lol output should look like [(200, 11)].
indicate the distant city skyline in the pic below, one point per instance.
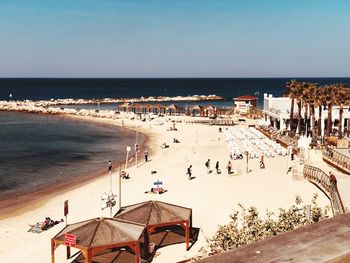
[(165, 39)]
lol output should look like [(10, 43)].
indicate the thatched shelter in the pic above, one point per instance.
[(123, 107), (100, 234), (135, 107), (211, 111), (156, 214), (197, 110), (145, 108), (172, 109), (158, 108)]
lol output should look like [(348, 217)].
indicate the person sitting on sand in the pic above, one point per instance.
[(124, 175), (164, 145), (175, 141)]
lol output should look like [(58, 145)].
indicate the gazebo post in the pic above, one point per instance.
[(88, 258), (52, 251), (137, 252), (187, 235)]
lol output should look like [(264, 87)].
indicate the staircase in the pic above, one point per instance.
[(329, 188)]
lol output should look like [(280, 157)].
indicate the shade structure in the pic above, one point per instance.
[(197, 110), (158, 108), (172, 108), (99, 234), (145, 108), (135, 107), (155, 214), (123, 107)]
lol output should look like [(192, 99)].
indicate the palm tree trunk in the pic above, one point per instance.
[(319, 124), (306, 117), (340, 125), (329, 120), (313, 119), (291, 115), (299, 115)]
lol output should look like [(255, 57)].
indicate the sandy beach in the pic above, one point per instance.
[(211, 196)]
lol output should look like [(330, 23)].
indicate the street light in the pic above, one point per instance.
[(128, 148)]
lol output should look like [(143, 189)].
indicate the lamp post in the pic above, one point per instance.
[(128, 148), (10, 96), (247, 155)]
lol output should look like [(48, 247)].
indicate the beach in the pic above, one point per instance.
[(212, 197)]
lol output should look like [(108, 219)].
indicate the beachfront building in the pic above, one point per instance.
[(244, 103), (276, 112)]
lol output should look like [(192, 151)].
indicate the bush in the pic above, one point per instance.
[(247, 226)]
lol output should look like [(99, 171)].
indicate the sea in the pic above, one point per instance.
[(41, 151)]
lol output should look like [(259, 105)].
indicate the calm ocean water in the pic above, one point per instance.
[(35, 89), (40, 150)]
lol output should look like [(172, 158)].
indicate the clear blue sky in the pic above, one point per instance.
[(171, 38)]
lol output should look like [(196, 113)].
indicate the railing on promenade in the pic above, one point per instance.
[(329, 187), (337, 158)]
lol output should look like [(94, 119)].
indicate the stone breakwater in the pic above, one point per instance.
[(34, 107), (122, 100)]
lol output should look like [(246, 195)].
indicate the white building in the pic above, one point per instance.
[(277, 113)]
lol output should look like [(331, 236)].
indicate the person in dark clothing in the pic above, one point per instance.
[(217, 168), (189, 172)]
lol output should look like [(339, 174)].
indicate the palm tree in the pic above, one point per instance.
[(309, 98), (290, 92), (321, 103), (329, 99), (342, 98), (298, 93)]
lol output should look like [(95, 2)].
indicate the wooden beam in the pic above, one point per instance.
[(52, 251), (187, 235), (137, 252), (88, 258)]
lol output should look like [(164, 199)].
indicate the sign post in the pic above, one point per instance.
[(65, 211), (136, 151)]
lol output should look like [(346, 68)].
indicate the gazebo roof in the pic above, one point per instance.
[(125, 104), (210, 107), (196, 107), (246, 97), (145, 106), (135, 105), (99, 232), (154, 213), (172, 106), (158, 105)]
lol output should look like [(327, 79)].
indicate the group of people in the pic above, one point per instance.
[(207, 165)]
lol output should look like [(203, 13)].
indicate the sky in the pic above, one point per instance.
[(174, 38)]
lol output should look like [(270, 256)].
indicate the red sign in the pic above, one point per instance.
[(70, 240)]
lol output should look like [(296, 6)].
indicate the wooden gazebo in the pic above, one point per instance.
[(158, 108), (211, 111), (145, 108), (172, 108), (123, 107), (135, 107), (197, 110), (99, 234), (156, 214)]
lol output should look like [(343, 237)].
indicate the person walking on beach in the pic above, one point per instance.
[(229, 167), (146, 155), (110, 166), (207, 164), (217, 168), (189, 172), (262, 164)]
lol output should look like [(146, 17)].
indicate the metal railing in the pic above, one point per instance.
[(328, 187), (337, 158)]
